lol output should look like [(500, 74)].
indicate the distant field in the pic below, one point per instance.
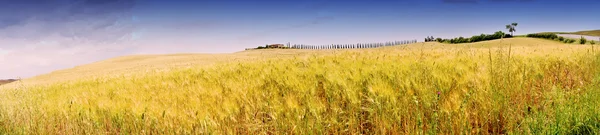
[(141, 64), (588, 33), (6, 81), (575, 36), (508, 86)]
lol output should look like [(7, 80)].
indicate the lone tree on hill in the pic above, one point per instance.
[(511, 28)]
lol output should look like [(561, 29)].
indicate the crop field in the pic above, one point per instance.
[(574, 36), (506, 86)]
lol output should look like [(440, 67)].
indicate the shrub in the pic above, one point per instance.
[(499, 33), (430, 39), (561, 38), (439, 40), (543, 35), (477, 38), (427, 39), (582, 40), (569, 41), (460, 40), (464, 40), (592, 42)]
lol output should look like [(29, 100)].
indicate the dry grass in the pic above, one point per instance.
[(510, 86), (589, 32), (140, 64)]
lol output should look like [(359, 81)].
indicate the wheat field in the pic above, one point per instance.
[(507, 86)]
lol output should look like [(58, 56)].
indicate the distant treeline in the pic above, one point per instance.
[(545, 35), (335, 46), (353, 46), (553, 36), (478, 38), (500, 34)]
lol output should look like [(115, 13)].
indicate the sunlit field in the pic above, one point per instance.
[(507, 86)]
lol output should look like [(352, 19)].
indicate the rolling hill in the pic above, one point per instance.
[(588, 33), (7, 81), (585, 33), (506, 86), (139, 64)]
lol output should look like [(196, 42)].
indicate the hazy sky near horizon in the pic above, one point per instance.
[(40, 36)]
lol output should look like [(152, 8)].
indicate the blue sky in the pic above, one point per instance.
[(248, 24), (47, 35)]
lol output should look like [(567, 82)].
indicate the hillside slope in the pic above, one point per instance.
[(139, 64), (588, 33), (585, 32), (508, 86), (7, 81)]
